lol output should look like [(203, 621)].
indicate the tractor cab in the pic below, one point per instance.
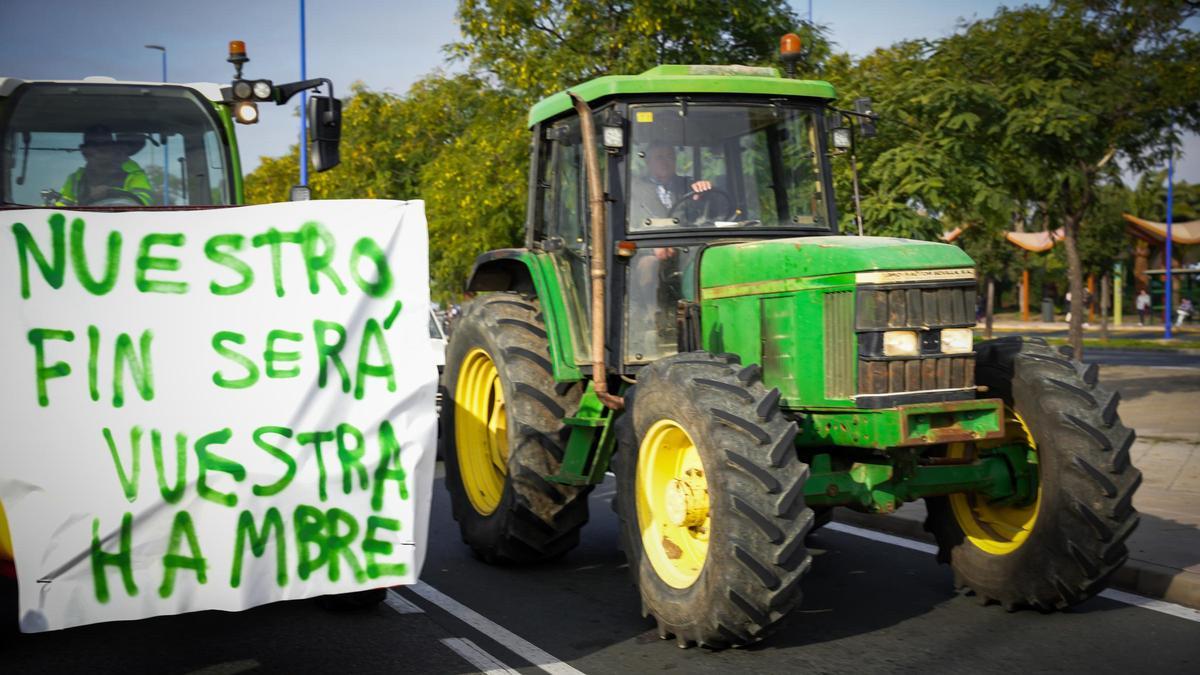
[(75, 143), (99, 142), (689, 156)]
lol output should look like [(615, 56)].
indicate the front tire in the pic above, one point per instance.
[(1061, 549), (502, 435), (710, 495)]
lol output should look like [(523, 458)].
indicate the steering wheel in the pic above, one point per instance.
[(706, 196), (117, 197)]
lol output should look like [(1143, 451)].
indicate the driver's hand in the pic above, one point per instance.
[(700, 186)]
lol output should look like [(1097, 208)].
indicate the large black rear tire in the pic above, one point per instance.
[(513, 514), (1085, 513), (729, 579)]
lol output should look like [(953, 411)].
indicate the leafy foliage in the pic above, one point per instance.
[(539, 47), (460, 141), (1016, 121), (1022, 118)]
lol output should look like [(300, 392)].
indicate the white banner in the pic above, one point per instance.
[(214, 409)]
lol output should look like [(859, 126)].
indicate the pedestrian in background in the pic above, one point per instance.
[(1183, 312), (1143, 307)]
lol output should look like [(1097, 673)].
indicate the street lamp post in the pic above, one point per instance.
[(166, 173), (303, 105)]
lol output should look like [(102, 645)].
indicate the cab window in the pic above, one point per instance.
[(83, 144)]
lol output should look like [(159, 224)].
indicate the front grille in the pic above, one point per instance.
[(924, 308), (915, 308), (839, 344), (897, 376)]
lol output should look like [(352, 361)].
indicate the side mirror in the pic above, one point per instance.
[(325, 131)]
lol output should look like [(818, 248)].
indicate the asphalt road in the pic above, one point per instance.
[(869, 607)]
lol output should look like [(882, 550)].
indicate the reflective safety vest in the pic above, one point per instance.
[(136, 183)]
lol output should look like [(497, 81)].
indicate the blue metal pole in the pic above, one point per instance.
[(1170, 207), (303, 105), (166, 171)]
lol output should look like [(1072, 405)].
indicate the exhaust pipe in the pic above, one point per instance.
[(596, 213)]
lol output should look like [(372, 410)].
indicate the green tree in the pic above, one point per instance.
[(1081, 82), (535, 48), (1149, 198), (461, 142), (386, 141), (1030, 107)]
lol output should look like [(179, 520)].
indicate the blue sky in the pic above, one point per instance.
[(386, 44)]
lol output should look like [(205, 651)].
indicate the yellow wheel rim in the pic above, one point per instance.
[(672, 504), (481, 431), (996, 529)]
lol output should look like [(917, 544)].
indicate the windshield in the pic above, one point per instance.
[(112, 145), (712, 165)]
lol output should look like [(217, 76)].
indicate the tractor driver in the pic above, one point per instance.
[(661, 189), (108, 173), (656, 280)]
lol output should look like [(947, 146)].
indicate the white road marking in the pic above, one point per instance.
[(1152, 604), (485, 662), (1111, 594), (880, 536), (402, 606), (519, 646)]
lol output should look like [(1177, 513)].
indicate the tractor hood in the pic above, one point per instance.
[(725, 265)]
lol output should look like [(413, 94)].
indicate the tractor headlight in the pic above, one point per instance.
[(956, 340), (262, 90), (245, 112), (242, 90), (901, 343)]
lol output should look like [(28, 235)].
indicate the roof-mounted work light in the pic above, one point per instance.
[(245, 112)]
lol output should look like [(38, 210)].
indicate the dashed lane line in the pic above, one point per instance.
[(1119, 596), (518, 645), (401, 605), (468, 650), (485, 662)]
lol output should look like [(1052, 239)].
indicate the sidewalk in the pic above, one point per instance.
[(1164, 551), (1129, 328)]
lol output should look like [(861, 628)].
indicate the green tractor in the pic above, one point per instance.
[(685, 314)]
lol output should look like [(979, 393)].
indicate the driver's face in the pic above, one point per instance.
[(103, 155), (661, 160)]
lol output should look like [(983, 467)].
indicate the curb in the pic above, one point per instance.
[(1135, 576)]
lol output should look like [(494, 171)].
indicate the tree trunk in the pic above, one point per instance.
[(1091, 298), (1025, 294), (991, 299), (1105, 293), (1075, 279)]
